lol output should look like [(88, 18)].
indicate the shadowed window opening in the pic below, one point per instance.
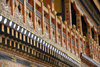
[(39, 22), (84, 26), (46, 27), (19, 8), (99, 39), (29, 15), (92, 33), (7, 1), (73, 12)]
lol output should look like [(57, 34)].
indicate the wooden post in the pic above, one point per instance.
[(12, 6), (34, 14), (66, 32), (49, 18)]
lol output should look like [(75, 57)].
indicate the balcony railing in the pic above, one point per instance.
[(39, 29)]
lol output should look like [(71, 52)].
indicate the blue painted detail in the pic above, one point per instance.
[(53, 25), (52, 1), (87, 46), (67, 11), (46, 20), (58, 30), (84, 45), (73, 41), (67, 18), (81, 42), (29, 6), (76, 44), (64, 34), (78, 20), (21, 1), (38, 13), (68, 38)]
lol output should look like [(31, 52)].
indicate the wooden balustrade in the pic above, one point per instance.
[(45, 23)]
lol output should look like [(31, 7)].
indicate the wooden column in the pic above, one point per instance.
[(12, 6), (89, 41), (74, 35), (68, 12), (49, 18), (24, 10), (89, 33), (70, 36), (78, 22), (54, 12), (61, 34)]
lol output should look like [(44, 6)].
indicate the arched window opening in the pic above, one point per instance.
[(73, 12), (84, 26)]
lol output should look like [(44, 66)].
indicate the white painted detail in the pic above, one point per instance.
[(22, 30), (0, 18), (10, 23), (5, 21), (14, 26), (18, 28)]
